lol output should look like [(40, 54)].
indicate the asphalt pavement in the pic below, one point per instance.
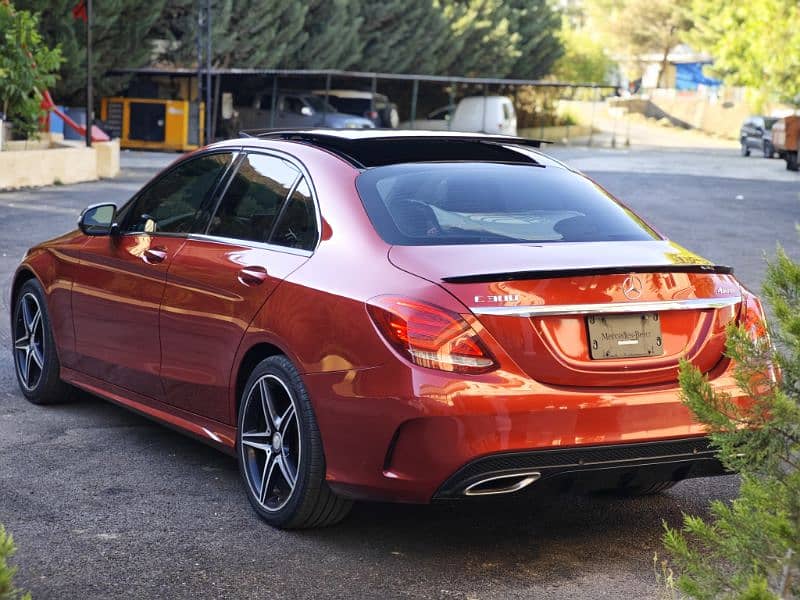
[(105, 504)]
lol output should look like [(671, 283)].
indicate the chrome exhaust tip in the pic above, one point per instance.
[(501, 484)]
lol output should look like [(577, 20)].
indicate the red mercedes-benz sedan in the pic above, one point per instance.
[(405, 316)]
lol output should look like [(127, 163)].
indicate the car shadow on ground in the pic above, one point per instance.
[(537, 522)]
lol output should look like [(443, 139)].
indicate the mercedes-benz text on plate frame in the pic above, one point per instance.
[(511, 323)]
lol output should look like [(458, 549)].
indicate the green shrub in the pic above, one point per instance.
[(27, 68), (7, 572), (750, 547)]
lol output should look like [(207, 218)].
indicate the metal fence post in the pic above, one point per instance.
[(414, 93), (274, 103), (594, 106), (452, 103)]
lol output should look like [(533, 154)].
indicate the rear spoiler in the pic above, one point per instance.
[(552, 274)]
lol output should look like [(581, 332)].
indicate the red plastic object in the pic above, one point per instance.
[(98, 135)]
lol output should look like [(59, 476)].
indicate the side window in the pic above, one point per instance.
[(297, 227), (176, 202), (293, 105), (254, 198), (506, 111)]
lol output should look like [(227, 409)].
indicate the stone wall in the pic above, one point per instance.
[(31, 164)]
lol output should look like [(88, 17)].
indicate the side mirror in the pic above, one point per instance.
[(98, 219), (306, 111)]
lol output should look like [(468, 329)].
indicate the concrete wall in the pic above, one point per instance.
[(692, 112), (30, 164), (562, 134)]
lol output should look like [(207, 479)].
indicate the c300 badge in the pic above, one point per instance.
[(497, 299)]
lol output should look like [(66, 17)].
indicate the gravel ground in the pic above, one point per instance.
[(105, 504)]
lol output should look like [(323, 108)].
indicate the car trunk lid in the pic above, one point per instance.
[(601, 314)]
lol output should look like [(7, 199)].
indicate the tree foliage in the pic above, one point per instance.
[(121, 37), (585, 60), (27, 67), (517, 38), (754, 43), (750, 548), (7, 549), (636, 28)]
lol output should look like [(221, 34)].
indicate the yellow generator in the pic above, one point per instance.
[(154, 124)]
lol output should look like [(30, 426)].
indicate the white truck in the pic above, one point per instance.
[(485, 114)]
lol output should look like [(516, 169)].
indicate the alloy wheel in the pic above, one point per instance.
[(270, 442), (29, 341)]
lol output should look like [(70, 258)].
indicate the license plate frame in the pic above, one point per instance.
[(616, 336)]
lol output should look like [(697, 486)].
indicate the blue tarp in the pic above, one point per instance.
[(689, 75)]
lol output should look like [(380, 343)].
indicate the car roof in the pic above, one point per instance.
[(366, 148)]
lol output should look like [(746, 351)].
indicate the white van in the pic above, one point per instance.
[(486, 114)]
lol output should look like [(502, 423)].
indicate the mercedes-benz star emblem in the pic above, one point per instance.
[(632, 287)]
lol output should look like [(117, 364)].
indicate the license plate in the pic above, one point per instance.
[(624, 336)]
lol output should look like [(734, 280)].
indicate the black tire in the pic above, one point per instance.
[(646, 490), (745, 148), (40, 383), (296, 452), (791, 161), (768, 150)]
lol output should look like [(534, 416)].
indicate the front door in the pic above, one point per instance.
[(118, 290)]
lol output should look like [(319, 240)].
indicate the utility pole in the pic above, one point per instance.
[(209, 126), (89, 93)]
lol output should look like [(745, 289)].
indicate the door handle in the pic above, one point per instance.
[(154, 255), (252, 275)]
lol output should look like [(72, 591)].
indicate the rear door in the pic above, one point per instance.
[(220, 279), (120, 283)]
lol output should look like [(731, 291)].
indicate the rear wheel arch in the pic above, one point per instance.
[(250, 360)]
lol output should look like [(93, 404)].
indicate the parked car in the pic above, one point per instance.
[(297, 109), (786, 139), (385, 315), (375, 107), (756, 134), (486, 114)]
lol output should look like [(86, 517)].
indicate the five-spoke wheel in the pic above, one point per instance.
[(280, 450), (270, 441), (35, 357), (29, 341)]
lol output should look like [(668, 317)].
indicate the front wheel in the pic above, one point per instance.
[(35, 357), (280, 451)]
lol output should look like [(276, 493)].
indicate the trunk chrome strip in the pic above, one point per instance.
[(544, 310)]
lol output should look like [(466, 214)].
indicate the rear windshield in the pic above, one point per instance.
[(491, 203)]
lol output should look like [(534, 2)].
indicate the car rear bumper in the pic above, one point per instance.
[(616, 465), (438, 434)]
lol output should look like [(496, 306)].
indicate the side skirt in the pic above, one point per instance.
[(213, 433)]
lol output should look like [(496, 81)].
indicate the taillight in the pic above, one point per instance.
[(752, 316), (371, 114), (430, 336), (754, 320)]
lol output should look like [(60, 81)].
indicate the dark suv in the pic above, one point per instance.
[(375, 107), (756, 134)]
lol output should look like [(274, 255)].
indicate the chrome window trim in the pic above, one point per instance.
[(298, 164), (545, 310), (202, 237)]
